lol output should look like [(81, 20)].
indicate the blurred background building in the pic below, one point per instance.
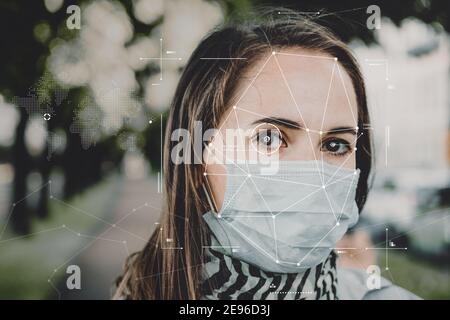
[(82, 115)]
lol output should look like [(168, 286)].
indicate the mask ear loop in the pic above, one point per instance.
[(208, 191), (210, 198)]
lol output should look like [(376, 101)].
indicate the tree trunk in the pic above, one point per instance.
[(20, 218)]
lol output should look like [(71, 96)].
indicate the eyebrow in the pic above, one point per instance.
[(342, 130), (281, 122), (297, 126)]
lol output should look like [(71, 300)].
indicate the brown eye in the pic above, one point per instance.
[(270, 140), (336, 146)]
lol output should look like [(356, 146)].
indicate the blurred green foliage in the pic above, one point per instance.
[(27, 261), (425, 279)]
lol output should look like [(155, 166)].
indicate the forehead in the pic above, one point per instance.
[(306, 86)]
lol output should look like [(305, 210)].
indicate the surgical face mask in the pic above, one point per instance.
[(285, 222)]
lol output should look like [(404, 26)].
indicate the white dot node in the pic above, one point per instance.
[(204, 173), (249, 175), (277, 261), (234, 107), (274, 53), (335, 58)]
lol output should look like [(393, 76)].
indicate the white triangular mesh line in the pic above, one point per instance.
[(346, 94), (317, 244), (326, 107), (298, 109), (248, 169)]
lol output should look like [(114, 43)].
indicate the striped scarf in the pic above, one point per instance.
[(227, 278)]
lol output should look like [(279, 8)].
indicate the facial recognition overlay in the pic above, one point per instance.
[(258, 203), (86, 160)]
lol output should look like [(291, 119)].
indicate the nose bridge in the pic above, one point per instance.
[(306, 147)]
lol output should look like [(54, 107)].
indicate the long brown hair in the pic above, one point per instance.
[(204, 93)]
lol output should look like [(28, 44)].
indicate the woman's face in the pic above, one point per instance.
[(298, 105)]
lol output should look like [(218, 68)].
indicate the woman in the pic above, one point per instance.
[(245, 227)]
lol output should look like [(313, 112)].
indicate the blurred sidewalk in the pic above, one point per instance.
[(133, 221)]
